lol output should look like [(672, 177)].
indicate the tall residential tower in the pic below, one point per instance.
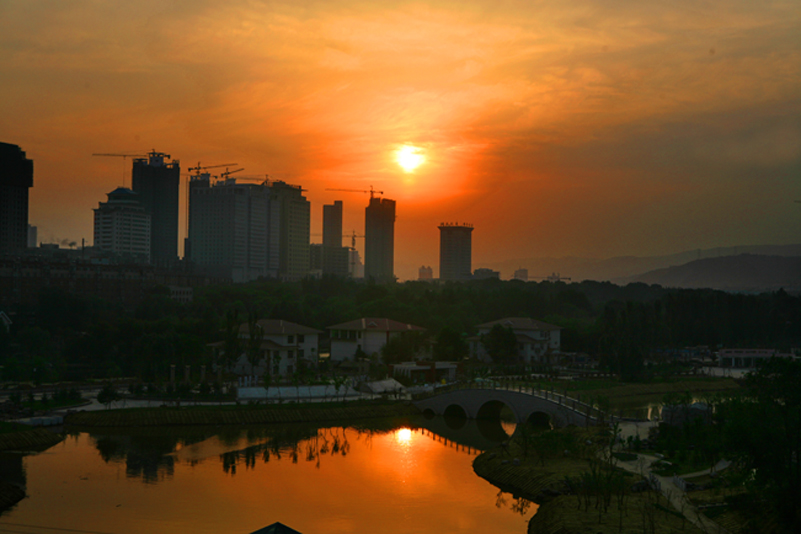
[(294, 230), (233, 229), (379, 240), (122, 226), (16, 177), (158, 184), (455, 251), (334, 255)]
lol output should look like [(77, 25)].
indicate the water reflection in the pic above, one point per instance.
[(397, 476)]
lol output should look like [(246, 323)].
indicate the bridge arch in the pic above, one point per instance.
[(539, 419), (481, 404)]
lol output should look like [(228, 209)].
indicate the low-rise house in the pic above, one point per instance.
[(536, 340), (426, 372), (284, 345), (368, 335)]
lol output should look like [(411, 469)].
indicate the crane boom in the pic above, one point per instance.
[(199, 168), (371, 191)]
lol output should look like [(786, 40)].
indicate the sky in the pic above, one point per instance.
[(573, 128)]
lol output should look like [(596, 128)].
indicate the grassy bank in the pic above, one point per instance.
[(624, 395), (553, 479), (238, 415), (16, 437)]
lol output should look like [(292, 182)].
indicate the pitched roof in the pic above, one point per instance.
[(521, 323), (276, 528), (377, 324), (272, 327)]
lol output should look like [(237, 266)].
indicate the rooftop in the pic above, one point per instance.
[(377, 324), (521, 323)]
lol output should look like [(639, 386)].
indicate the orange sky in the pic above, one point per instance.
[(572, 128)]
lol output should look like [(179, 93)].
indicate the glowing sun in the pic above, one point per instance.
[(409, 157)]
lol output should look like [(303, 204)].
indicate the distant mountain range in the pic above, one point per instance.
[(623, 269), (745, 272)]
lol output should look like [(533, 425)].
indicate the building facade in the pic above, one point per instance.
[(536, 340), (294, 220), (379, 240), (368, 335), (158, 183), (334, 256), (425, 273), (284, 347), (233, 229), (455, 251), (16, 178), (521, 274), (122, 226)]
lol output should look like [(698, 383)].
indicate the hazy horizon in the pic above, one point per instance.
[(575, 129)]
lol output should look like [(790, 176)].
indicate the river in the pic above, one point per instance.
[(404, 476)]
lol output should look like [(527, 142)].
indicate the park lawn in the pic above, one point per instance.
[(622, 394)]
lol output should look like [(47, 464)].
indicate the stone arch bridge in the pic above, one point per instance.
[(526, 405)]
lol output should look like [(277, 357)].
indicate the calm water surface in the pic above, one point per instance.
[(390, 478)]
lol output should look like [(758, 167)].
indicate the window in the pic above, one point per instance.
[(300, 353), (290, 339)]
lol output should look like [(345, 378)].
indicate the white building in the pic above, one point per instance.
[(747, 358), (122, 226), (368, 334), (535, 339), (284, 345)]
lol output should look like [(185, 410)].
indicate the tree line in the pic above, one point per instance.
[(65, 334)]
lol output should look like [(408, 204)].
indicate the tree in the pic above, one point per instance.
[(232, 344), (763, 430), (501, 344), (107, 395), (450, 345), (255, 339)]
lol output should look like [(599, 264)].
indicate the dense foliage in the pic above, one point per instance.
[(67, 335)]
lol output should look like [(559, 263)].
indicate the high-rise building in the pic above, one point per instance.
[(355, 265), (294, 230), (33, 236), (122, 226), (233, 229), (379, 240), (16, 177), (158, 184), (455, 251), (425, 273), (332, 224), (334, 258), (521, 274)]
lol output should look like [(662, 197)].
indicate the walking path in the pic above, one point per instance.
[(675, 495)]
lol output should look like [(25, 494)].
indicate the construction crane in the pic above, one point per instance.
[(371, 191), (123, 156), (352, 237), (227, 173), (199, 168)]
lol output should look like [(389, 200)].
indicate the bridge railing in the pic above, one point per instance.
[(575, 404)]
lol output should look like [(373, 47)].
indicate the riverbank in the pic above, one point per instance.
[(547, 481), (25, 438), (238, 415)]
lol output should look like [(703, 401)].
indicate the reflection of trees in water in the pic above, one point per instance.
[(518, 505), (311, 446), (145, 457), (147, 452)]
